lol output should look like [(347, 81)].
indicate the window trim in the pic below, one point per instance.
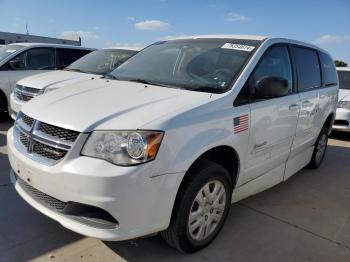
[(293, 46), (246, 84)]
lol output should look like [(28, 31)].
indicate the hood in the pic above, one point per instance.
[(54, 79), (102, 104), (344, 95)]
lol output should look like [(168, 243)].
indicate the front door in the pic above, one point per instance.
[(273, 120)]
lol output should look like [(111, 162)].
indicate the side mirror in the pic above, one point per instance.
[(271, 86), (16, 64)]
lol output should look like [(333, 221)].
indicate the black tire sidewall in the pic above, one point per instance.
[(314, 163), (198, 180)]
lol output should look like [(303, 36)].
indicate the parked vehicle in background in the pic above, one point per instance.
[(94, 64), (175, 135), (24, 59), (342, 119)]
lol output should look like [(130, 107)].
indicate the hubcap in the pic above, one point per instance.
[(207, 210), (321, 147)]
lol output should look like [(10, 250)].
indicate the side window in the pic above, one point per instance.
[(308, 68), (275, 63), (67, 56), (17, 63), (329, 71), (40, 59)]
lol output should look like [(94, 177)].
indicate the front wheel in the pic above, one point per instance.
[(319, 149), (201, 208)]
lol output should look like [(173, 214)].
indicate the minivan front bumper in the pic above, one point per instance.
[(141, 204)]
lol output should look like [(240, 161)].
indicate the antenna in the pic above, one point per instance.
[(27, 31)]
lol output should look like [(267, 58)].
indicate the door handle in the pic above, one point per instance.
[(260, 145), (293, 107)]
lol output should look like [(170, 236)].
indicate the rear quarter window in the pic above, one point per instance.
[(329, 71), (308, 68)]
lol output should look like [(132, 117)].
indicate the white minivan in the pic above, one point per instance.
[(95, 64), (24, 59), (175, 135), (342, 119)]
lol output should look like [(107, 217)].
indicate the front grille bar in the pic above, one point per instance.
[(25, 93), (34, 141)]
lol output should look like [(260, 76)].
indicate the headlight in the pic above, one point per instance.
[(124, 148), (344, 104)]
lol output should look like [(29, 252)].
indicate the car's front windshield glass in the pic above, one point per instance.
[(344, 79), (206, 65), (7, 50), (101, 62)]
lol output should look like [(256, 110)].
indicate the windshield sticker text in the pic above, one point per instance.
[(246, 48)]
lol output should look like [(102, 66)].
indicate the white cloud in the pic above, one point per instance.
[(74, 35), (154, 25), (234, 17), (332, 39)]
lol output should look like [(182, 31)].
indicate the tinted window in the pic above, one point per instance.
[(40, 59), (308, 68), (101, 62), (329, 72), (344, 79), (67, 56), (275, 62)]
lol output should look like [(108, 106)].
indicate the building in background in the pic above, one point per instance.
[(9, 38)]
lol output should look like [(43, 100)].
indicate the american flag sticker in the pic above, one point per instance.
[(240, 123)]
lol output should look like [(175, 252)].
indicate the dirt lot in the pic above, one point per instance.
[(305, 219)]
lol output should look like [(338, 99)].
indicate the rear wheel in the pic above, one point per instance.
[(201, 208), (319, 149)]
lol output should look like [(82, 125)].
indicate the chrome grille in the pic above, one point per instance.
[(24, 139), (41, 197), (58, 132), (28, 120), (48, 151), (25, 93), (41, 141)]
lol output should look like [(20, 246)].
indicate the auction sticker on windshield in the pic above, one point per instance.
[(246, 48)]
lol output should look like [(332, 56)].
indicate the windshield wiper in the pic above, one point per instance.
[(75, 70), (208, 89), (109, 76), (146, 82)]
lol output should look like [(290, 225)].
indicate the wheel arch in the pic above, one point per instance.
[(328, 123), (3, 98)]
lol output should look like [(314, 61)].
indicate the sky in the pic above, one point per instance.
[(106, 23)]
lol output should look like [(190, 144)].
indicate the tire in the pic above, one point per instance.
[(4, 116), (319, 149), (212, 215)]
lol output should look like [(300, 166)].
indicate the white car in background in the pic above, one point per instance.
[(95, 64), (175, 135), (24, 59), (342, 119)]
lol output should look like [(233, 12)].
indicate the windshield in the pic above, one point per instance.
[(206, 65), (101, 62), (7, 50), (344, 79)]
